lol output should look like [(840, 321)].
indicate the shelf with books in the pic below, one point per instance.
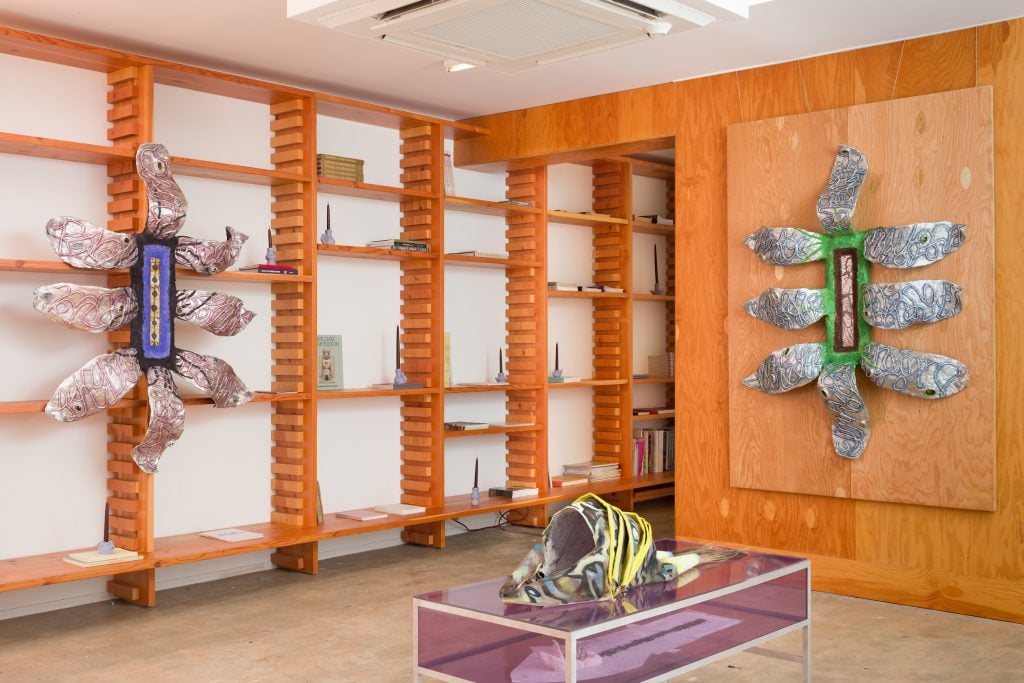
[(64, 150), (50, 568), (489, 208), (664, 298), (351, 188), (370, 392), (465, 261), (654, 416), (353, 251), (588, 383), (232, 172), (584, 219), (492, 430)]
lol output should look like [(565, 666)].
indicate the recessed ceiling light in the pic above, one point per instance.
[(453, 65)]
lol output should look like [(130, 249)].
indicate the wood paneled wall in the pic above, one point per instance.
[(964, 561)]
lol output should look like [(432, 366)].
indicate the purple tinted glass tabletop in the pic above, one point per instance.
[(483, 597)]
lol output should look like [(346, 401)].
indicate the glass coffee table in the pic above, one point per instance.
[(653, 633)]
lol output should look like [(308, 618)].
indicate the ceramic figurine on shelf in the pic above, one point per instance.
[(271, 256), (501, 377), (327, 237), (659, 289)]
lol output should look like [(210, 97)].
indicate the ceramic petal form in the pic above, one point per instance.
[(790, 309), (209, 258), (788, 368), (902, 304), (95, 386), (785, 246), (914, 245), (851, 427), (90, 309), (213, 376), (838, 200), (221, 314), (84, 245), (167, 203), (166, 419), (924, 375)]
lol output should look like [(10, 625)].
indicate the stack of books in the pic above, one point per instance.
[(461, 426), (339, 168), (513, 491), (399, 245), (93, 558), (560, 480), (662, 365), (655, 219), (555, 286), (272, 268), (594, 471), (653, 450)]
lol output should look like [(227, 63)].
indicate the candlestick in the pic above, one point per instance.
[(271, 256)]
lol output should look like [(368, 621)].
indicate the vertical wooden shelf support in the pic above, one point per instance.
[(129, 489), (526, 338), (670, 284), (293, 423), (422, 331), (613, 348)]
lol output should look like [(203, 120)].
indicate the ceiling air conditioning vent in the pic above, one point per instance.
[(512, 35)]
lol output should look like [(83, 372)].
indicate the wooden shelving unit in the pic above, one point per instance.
[(290, 174)]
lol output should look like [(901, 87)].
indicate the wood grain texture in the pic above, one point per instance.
[(930, 160)]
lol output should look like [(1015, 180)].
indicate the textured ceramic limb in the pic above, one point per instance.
[(788, 368), (838, 200), (221, 314), (207, 257), (167, 203), (924, 375), (851, 427), (914, 245), (790, 309), (90, 309), (902, 304), (785, 246), (95, 386), (84, 245), (213, 376), (166, 419)]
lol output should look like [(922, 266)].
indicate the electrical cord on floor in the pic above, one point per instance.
[(504, 520)]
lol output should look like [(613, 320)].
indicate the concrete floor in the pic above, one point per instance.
[(353, 623)]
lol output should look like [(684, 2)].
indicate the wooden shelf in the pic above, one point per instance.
[(37, 406), (482, 206), (65, 150), (653, 229), (350, 188), (370, 392), (587, 383), (231, 172), (388, 117), (491, 430), (659, 416), (584, 219), (352, 251), (491, 387), (555, 294), (464, 261), (664, 298), (654, 380), (44, 570), (180, 273)]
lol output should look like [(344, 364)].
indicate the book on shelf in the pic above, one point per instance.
[(655, 219), (399, 245), (516, 202), (231, 535), (329, 367), (594, 471), (401, 509), (93, 558), (361, 515), (564, 379), (659, 410), (449, 175), (339, 168), (463, 426), (612, 290), (560, 480), (653, 450), (563, 287), (477, 252), (506, 425), (590, 288), (272, 268), (513, 491)]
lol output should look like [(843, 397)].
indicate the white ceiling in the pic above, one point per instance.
[(254, 37)]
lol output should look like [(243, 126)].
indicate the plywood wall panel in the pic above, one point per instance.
[(770, 91), (947, 61), (848, 78)]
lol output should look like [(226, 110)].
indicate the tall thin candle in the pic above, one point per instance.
[(501, 362), (398, 346), (556, 355), (270, 239), (328, 216), (655, 265), (476, 474), (106, 522)]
